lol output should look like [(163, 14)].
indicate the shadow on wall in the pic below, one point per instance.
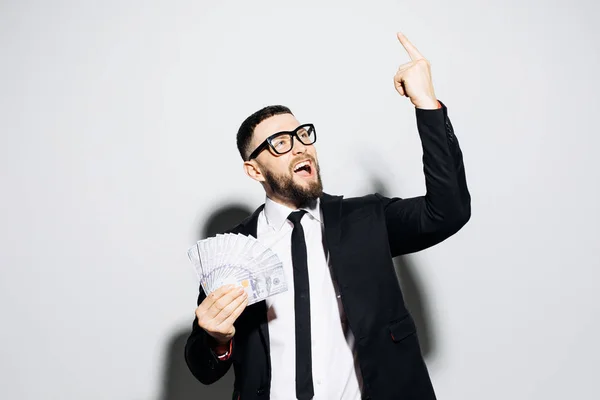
[(179, 383)]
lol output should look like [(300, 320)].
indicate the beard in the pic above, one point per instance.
[(301, 196)]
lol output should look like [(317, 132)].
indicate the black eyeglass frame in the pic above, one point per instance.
[(268, 141)]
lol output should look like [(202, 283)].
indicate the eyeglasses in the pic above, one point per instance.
[(283, 142)]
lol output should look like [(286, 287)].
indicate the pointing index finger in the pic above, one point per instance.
[(410, 48)]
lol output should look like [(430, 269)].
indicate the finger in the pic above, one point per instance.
[(216, 300), (225, 325), (399, 87), (402, 90), (402, 69), (213, 317), (230, 308), (225, 300), (406, 66), (212, 297), (236, 312), (410, 48)]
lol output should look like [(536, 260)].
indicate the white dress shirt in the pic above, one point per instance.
[(335, 371)]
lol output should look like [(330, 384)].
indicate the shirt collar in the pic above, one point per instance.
[(276, 214)]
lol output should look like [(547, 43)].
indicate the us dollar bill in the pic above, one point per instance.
[(258, 284)]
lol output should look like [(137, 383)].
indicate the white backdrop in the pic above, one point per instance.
[(118, 123)]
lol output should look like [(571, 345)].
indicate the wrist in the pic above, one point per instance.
[(426, 101), (430, 104)]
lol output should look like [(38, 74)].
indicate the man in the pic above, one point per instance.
[(341, 331)]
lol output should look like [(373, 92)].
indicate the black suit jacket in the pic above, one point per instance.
[(362, 235)]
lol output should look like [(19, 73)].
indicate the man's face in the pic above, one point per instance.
[(292, 177)]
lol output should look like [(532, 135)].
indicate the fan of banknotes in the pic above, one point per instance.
[(240, 260)]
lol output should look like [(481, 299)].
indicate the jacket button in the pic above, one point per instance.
[(260, 391)]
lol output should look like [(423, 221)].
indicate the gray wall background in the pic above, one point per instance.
[(118, 121)]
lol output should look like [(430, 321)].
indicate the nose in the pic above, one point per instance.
[(298, 147)]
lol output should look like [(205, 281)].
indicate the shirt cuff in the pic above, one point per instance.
[(439, 105), (224, 356)]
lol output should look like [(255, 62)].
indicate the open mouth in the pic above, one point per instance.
[(304, 169)]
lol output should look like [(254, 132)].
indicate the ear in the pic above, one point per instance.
[(253, 170)]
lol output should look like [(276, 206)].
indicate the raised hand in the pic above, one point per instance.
[(219, 310), (413, 79)]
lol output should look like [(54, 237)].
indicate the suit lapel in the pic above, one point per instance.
[(249, 225), (331, 206)]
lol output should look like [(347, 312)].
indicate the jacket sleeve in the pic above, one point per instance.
[(199, 356), (417, 223)]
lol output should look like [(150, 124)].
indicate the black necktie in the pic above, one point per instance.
[(304, 382)]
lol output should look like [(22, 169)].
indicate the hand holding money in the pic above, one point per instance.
[(219, 310)]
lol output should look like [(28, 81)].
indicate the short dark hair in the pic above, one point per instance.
[(244, 135)]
